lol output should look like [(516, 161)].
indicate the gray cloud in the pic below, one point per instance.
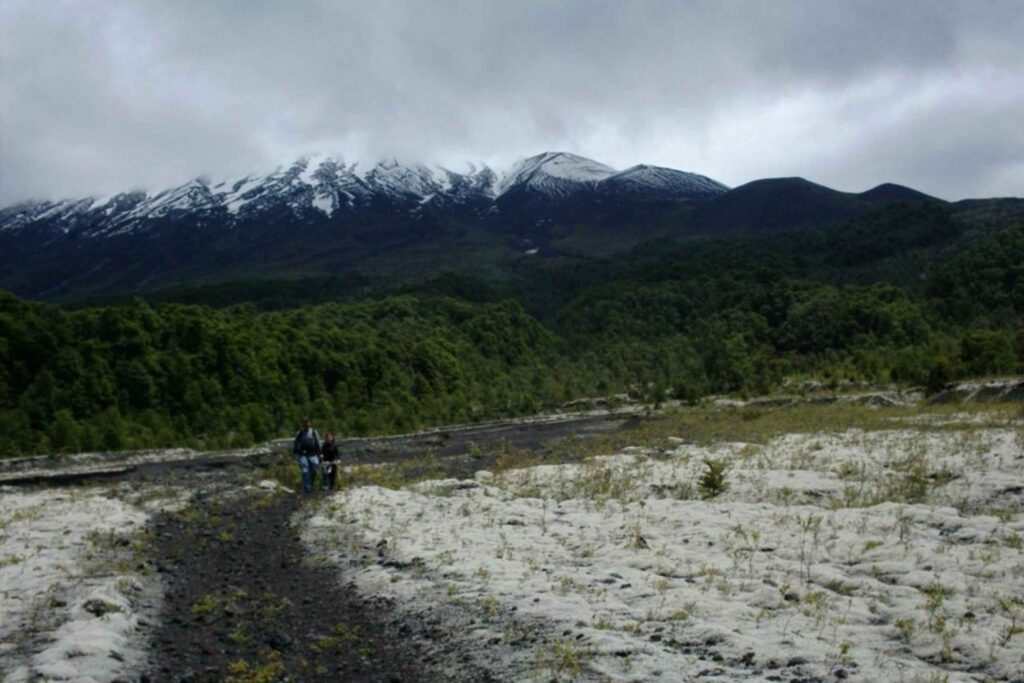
[(102, 96)]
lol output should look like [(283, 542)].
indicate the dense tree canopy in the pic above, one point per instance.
[(685, 319), (133, 375)]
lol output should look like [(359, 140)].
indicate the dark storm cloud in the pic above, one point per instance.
[(102, 96)]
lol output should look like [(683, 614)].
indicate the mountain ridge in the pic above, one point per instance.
[(322, 216), (328, 184)]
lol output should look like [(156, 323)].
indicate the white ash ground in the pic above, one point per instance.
[(72, 596), (804, 568)]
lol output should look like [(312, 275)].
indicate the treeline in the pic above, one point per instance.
[(136, 375), (681, 319), (743, 315)]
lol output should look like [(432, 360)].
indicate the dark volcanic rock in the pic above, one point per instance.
[(255, 606)]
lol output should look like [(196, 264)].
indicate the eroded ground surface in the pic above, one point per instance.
[(849, 542), (242, 604), (862, 540), (189, 567)]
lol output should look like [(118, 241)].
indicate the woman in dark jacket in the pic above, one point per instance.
[(330, 461)]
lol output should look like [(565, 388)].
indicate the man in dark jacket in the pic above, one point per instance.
[(307, 449)]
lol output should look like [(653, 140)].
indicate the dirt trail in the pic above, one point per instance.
[(242, 603)]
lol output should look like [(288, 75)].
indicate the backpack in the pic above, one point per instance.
[(307, 441)]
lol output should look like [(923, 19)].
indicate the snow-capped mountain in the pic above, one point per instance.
[(554, 174), (322, 215), (663, 183), (316, 188)]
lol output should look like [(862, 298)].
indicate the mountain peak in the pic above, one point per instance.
[(554, 174), (662, 183), (568, 165), (891, 192), (317, 185)]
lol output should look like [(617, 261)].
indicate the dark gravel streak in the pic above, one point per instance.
[(241, 603), (244, 601)]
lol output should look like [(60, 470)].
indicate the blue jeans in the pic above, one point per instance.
[(308, 465)]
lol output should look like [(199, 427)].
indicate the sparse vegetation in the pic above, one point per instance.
[(561, 661), (269, 669), (831, 515)]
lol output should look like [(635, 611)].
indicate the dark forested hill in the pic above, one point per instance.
[(909, 292), (394, 223), (215, 314)]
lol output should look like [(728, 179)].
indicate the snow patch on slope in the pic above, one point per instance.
[(554, 173), (666, 182), (396, 180), (325, 203)]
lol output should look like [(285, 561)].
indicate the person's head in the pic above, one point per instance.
[(305, 423), (329, 437)]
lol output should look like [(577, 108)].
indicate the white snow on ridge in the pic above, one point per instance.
[(551, 174), (61, 209), (236, 198), (235, 205), (644, 178), (444, 178), (325, 203), (392, 178), (572, 167), (554, 173), (56, 208), (794, 570), (311, 165), (19, 215), (99, 202), (193, 195)]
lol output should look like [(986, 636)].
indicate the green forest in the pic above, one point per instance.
[(909, 295)]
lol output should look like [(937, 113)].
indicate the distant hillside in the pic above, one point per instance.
[(391, 223), (887, 193)]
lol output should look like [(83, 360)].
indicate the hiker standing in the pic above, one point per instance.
[(307, 449), (330, 464)]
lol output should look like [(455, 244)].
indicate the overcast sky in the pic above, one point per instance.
[(101, 96)]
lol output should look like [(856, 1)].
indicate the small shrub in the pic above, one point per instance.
[(269, 670), (712, 481), (562, 661), (205, 605), (905, 627)]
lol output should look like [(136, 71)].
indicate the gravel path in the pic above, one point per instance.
[(243, 603)]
